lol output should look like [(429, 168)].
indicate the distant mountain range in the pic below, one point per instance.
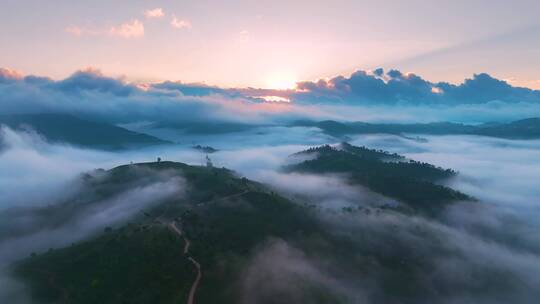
[(69, 129), (520, 129), (63, 128), (205, 128)]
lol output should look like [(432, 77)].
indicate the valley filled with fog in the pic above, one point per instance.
[(508, 168), (499, 232)]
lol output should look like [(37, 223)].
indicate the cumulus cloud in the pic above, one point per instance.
[(93, 95), (130, 29), (90, 94), (78, 31), (154, 13), (394, 87), (91, 79), (180, 23), (7, 75)]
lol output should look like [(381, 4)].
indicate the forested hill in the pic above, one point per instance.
[(224, 217), (520, 129), (246, 244), (412, 182), (63, 128)]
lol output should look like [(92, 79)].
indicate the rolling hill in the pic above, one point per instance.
[(414, 183), (520, 129), (232, 240), (62, 128)]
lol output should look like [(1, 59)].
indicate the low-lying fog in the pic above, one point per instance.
[(498, 171), (502, 174)]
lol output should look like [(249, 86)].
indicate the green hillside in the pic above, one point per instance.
[(521, 129), (252, 245), (224, 216), (62, 128), (414, 183)]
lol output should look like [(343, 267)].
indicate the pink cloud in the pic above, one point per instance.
[(74, 30), (10, 74), (154, 13), (130, 29), (80, 31), (180, 24)]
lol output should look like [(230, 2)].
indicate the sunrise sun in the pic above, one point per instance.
[(280, 81)]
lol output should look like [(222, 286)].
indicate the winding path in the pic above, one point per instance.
[(187, 243), (195, 284)]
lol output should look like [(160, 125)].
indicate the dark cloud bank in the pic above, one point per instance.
[(368, 96), (395, 87)]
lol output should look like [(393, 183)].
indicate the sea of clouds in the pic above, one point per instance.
[(500, 232)]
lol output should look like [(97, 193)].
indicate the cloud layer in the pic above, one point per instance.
[(395, 87), (374, 97)]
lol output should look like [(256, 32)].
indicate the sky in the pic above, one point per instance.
[(271, 44)]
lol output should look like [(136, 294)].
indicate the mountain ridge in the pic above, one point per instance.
[(66, 128), (528, 128)]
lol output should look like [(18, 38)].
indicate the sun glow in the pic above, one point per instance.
[(280, 81), (274, 98)]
